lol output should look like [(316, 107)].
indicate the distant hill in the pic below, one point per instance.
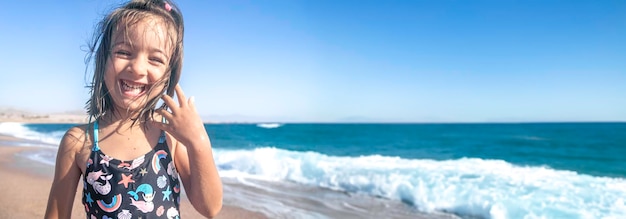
[(9, 114)]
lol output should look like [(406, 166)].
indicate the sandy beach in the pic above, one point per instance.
[(27, 185)]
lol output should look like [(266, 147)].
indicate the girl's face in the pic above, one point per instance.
[(139, 57)]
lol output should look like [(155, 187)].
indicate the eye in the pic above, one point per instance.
[(157, 60), (123, 53)]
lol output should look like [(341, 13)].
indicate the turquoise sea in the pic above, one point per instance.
[(525, 170)]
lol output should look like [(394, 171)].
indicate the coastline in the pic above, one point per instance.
[(28, 185), (314, 182)]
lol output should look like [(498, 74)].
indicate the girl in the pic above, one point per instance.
[(132, 156)]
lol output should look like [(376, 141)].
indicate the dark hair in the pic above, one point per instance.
[(129, 14)]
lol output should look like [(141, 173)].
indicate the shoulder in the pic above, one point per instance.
[(77, 133), (75, 138)]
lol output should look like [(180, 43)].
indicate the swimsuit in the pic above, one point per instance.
[(146, 187)]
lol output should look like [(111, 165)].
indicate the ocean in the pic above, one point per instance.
[(524, 170)]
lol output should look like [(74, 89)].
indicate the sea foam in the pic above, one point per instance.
[(467, 187), (19, 130), (269, 125)]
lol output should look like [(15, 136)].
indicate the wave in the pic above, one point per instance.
[(470, 186), (19, 130), (269, 125)]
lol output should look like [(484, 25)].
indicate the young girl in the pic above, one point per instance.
[(132, 156)]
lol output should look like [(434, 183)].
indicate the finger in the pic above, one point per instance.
[(160, 125), (158, 120), (164, 114), (170, 103), (182, 100), (191, 102)]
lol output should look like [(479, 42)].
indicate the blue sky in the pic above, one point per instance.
[(350, 61)]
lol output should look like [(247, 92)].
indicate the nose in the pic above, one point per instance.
[(138, 67)]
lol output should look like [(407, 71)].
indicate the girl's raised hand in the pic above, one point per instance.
[(183, 122)]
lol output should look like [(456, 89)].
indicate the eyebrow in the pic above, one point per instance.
[(120, 43)]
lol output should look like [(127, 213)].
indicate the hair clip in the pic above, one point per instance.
[(168, 7)]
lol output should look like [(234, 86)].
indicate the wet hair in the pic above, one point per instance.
[(125, 16)]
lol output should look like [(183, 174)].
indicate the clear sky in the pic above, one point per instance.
[(349, 61)]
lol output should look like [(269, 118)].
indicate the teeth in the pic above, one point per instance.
[(128, 86)]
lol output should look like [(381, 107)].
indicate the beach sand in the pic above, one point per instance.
[(26, 186)]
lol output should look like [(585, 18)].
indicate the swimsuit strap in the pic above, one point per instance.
[(162, 137), (95, 137)]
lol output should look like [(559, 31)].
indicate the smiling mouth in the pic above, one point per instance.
[(132, 89)]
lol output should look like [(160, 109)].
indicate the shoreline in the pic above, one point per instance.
[(28, 184)]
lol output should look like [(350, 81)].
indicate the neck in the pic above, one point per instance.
[(123, 120)]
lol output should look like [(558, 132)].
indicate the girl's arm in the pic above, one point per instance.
[(66, 175), (193, 155), (202, 182)]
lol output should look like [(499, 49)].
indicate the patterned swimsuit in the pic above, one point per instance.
[(146, 187)]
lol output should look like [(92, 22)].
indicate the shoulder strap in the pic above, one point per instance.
[(162, 137), (95, 137)]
